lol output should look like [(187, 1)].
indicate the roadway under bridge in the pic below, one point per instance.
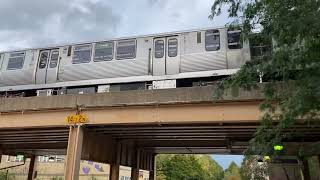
[(129, 128)]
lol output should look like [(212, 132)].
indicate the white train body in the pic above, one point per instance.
[(167, 56)]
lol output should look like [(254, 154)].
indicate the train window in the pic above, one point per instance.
[(103, 51), (54, 59), (16, 61), (44, 56), (212, 40), (81, 54), (126, 49), (69, 51), (234, 39), (159, 49), (172, 47), (198, 37)]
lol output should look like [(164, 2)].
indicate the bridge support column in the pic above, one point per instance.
[(136, 166), (115, 168), (152, 175), (74, 153), (134, 173), (318, 156), (114, 171), (305, 169), (152, 172), (32, 169)]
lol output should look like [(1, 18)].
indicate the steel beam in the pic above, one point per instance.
[(34, 135), (177, 127), (36, 145), (33, 131), (23, 138), (74, 153), (38, 141), (189, 131)]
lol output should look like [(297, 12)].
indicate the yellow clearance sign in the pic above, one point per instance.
[(77, 119)]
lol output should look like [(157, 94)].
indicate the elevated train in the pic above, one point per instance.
[(143, 62)]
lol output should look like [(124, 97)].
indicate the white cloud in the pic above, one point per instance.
[(36, 23)]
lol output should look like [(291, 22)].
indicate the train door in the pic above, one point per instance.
[(52, 69), (47, 66), (42, 67), (172, 55), (166, 56), (1, 61), (159, 59)]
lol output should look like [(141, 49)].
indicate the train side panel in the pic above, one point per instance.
[(107, 69), (185, 52), (16, 72), (197, 57), (1, 62), (238, 50)]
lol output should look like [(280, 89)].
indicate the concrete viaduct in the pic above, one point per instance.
[(129, 128)]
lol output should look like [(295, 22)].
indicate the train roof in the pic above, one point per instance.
[(115, 39)]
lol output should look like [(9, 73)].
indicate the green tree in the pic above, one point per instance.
[(232, 172), (161, 161), (292, 68), (211, 167), (188, 167)]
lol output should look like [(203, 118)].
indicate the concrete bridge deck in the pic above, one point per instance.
[(129, 128), (195, 104), (185, 114)]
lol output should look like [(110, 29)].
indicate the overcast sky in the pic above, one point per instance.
[(37, 23)]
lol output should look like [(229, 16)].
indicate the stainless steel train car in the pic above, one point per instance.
[(151, 61)]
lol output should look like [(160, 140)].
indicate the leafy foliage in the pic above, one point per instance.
[(293, 66), (232, 172), (213, 170), (188, 167), (251, 168)]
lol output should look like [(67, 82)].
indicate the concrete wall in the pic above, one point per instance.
[(89, 170)]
